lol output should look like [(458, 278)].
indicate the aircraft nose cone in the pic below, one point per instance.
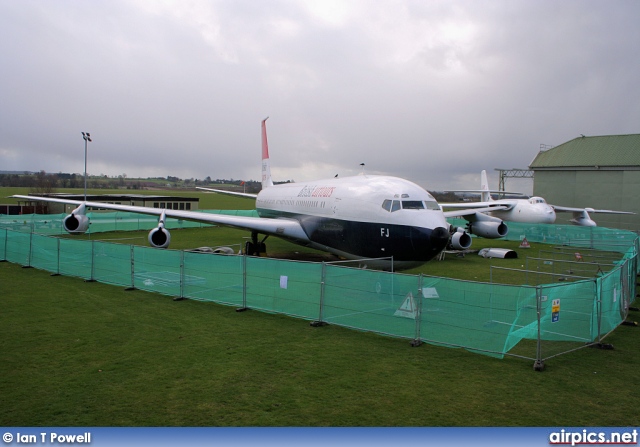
[(439, 238)]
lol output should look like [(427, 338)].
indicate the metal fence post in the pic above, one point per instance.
[(182, 278), (6, 238), (57, 273), (244, 283), (93, 262), (598, 298), (416, 340), (133, 270), (539, 363), (320, 321)]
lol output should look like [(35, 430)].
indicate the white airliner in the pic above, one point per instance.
[(531, 210), (364, 216)]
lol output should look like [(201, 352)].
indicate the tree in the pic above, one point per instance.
[(44, 183)]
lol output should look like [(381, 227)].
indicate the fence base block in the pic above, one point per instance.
[(606, 346), (89, 280), (242, 309), (415, 343), (318, 323), (538, 365)]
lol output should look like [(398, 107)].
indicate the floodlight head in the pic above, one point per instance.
[(83, 134)]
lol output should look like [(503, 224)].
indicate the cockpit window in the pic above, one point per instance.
[(432, 205), (391, 205), (395, 205), (534, 200), (412, 205)]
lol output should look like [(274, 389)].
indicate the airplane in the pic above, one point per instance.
[(373, 217), (531, 210)]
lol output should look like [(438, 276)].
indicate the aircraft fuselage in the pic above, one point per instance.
[(534, 210), (362, 217)]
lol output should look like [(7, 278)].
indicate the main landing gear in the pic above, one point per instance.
[(255, 248)]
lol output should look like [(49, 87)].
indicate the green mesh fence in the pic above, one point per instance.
[(370, 300), (286, 287), (478, 316), (215, 278), (535, 321)]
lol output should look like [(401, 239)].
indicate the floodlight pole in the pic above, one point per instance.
[(87, 138)]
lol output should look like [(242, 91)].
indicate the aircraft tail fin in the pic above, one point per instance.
[(266, 164), (485, 195)]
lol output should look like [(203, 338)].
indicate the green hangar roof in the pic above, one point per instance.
[(589, 152)]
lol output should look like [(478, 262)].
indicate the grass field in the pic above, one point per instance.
[(88, 354)]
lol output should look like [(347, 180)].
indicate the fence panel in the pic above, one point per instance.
[(157, 270), (480, 317), (112, 263), (213, 277), (44, 252), (568, 312), (18, 247), (4, 235), (76, 258), (288, 287), (614, 304), (369, 300)]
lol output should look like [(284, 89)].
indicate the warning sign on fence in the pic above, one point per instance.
[(408, 308)]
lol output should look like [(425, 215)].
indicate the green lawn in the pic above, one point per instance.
[(87, 354)]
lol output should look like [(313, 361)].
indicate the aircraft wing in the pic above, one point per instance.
[(280, 227), (231, 193), (471, 211), (503, 204), (492, 191), (589, 210)]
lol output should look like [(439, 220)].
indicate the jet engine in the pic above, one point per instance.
[(460, 240), (582, 218), (487, 226), (76, 222), (160, 237)]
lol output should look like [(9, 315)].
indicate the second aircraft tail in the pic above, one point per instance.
[(485, 195)]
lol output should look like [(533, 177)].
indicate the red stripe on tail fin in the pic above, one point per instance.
[(265, 145), (266, 164)]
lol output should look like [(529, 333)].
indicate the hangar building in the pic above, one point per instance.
[(600, 172)]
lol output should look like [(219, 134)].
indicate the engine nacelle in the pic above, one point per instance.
[(487, 226), (460, 240), (582, 218), (159, 237), (76, 222)]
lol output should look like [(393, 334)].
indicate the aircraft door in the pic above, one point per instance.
[(336, 205)]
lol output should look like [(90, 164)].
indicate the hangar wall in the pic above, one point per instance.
[(603, 189), (599, 172)]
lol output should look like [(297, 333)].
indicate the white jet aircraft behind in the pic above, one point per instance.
[(364, 216), (532, 210)]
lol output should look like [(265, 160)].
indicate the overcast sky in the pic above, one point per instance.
[(432, 91)]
